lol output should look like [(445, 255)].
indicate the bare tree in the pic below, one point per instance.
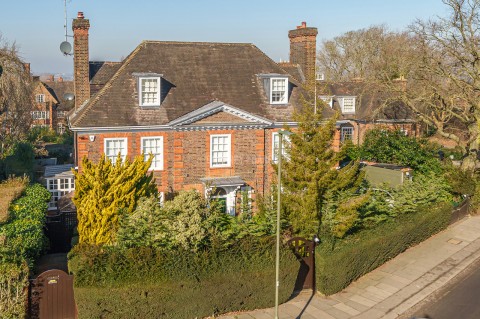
[(439, 60), (447, 79), (16, 99)]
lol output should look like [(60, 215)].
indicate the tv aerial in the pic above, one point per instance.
[(65, 46)]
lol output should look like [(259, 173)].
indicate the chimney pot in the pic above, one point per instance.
[(303, 26), (80, 15)]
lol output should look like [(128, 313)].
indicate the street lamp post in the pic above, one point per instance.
[(281, 133)]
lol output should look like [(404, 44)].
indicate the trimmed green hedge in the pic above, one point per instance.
[(364, 251), (148, 283), (21, 241)]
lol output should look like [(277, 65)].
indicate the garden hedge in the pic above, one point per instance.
[(340, 263), (21, 241), (148, 283)]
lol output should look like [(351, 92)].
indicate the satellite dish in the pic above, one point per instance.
[(68, 96), (66, 47)]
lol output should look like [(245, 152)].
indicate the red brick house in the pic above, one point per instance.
[(361, 109), (50, 107), (207, 111), (45, 106)]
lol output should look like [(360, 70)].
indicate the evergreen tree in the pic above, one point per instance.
[(309, 173), (104, 190)]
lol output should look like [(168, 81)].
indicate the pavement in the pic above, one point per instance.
[(393, 288)]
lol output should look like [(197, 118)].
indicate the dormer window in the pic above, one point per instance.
[(149, 91), (327, 99), (347, 104), (279, 90)]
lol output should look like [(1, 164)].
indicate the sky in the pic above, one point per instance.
[(118, 26)]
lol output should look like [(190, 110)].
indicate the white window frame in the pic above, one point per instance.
[(61, 114), (275, 141), (343, 132), (61, 129), (123, 151), (285, 91), (229, 150), (40, 115), (141, 92), (327, 99), (40, 98), (157, 162), (54, 186), (342, 104)]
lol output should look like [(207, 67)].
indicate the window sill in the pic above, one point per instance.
[(220, 166)]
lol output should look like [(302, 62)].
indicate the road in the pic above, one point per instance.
[(460, 299)]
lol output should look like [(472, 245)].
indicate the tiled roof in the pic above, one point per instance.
[(369, 101), (193, 75), (58, 90), (58, 171), (100, 73), (293, 69)]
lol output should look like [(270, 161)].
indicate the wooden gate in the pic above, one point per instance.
[(304, 249), (59, 230), (51, 296)]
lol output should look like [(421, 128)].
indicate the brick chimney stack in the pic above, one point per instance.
[(80, 28), (303, 50)]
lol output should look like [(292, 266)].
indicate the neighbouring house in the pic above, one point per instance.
[(208, 112), (45, 106), (51, 107), (60, 89), (361, 109)]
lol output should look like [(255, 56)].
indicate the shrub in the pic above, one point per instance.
[(21, 161), (13, 280), (338, 263), (387, 146), (103, 190), (21, 241), (24, 231), (112, 282)]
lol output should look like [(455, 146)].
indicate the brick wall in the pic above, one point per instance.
[(80, 27), (303, 50), (187, 156)]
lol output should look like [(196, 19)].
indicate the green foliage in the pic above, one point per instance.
[(20, 161), (309, 177), (423, 191), (13, 281), (40, 134), (24, 230), (104, 190), (387, 146), (147, 226), (188, 222), (342, 212), (112, 282), (21, 241), (462, 182), (340, 262)]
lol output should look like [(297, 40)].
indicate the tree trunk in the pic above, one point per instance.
[(470, 161)]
